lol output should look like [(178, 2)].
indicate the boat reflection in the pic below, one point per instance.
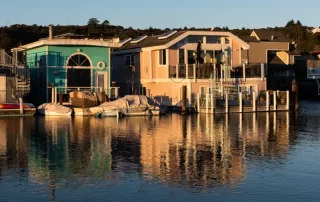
[(192, 151)]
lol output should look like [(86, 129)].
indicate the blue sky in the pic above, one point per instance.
[(162, 13)]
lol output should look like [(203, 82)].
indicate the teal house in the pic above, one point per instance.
[(67, 63)]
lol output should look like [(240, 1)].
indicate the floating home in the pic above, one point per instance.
[(66, 63)]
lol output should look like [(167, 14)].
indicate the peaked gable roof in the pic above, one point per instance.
[(153, 42), (269, 35)]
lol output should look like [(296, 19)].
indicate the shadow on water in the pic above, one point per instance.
[(192, 152)]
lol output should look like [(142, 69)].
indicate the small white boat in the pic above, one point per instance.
[(51, 109)]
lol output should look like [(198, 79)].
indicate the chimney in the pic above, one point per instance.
[(50, 32)]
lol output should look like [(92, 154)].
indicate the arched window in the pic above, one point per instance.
[(79, 60)]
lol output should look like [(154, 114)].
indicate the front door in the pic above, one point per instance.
[(102, 82)]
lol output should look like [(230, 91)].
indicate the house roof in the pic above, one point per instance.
[(248, 38), (153, 42), (150, 41), (266, 35), (73, 40)]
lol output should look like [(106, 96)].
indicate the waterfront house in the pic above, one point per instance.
[(160, 65), (278, 53), (67, 62)]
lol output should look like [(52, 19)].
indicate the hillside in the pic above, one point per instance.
[(16, 35)]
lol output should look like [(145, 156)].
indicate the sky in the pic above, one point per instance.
[(162, 13)]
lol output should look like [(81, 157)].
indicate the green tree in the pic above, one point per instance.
[(106, 23), (93, 21)]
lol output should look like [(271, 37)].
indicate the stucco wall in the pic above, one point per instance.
[(258, 50), (236, 53)]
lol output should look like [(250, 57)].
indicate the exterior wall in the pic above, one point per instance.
[(169, 92), (122, 74), (173, 57), (284, 57), (36, 62), (58, 56), (258, 50), (55, 57), (159, 71), (236, 53)]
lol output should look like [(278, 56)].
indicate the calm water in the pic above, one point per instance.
[(246, 157)]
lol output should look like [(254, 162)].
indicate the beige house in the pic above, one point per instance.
[(160, 65)]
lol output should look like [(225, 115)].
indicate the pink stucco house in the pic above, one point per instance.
[(159, 66)]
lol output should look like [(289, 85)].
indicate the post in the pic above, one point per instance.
[(275, 101), (194, 73), (207, 103), (244, 72), (227, 103), (214, 72), (177, 71), (55, 95), (240, 103), (254, 102), (187, 71), (21, 105), (262, 71), (198, 103), (184, 99), (268, 100), (60, 98), (52, 95), (212, 104), (288, 100)]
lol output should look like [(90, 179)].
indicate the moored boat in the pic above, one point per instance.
[(52, 109)]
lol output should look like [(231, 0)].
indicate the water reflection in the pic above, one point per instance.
[(181, 151)]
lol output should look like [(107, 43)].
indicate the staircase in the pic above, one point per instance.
[(18, 69)]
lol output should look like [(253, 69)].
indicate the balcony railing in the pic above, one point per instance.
[(214, 71)]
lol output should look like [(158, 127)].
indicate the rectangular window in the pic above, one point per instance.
[(162, 57), (191, 57), (181, 56), (213, 40), (129, 60)]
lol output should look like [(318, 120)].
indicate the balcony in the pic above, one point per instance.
[(201, 71), (217, 71)]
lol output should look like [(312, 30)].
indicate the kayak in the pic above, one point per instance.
[(15, 106)]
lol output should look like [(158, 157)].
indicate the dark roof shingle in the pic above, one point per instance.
[(266, 35), (151, 41)]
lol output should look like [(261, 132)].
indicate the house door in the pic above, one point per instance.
[(102, 82)]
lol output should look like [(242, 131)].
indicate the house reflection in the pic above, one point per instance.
[(177, 150)]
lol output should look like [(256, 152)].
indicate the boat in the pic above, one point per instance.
[(130, 105), (52, 109), (13, 109), (16, 106)]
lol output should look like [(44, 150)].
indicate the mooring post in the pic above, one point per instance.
[(198, 103), (268, 100), (184, 99), (52, 95), (227, 103), (55, 95), (254, 102), (21, 105), (288, 100), (275, 104), (212, 104), (207, 103), (240, 103), (60, 98)]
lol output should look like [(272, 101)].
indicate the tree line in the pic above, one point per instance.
[(20, 34)]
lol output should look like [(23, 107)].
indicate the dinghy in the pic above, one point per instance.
[(16, 106), (51, 109)]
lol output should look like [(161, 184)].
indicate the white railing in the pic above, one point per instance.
[(5, 59)]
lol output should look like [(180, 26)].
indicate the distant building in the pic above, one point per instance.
[(315, 30), (68, 62)]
